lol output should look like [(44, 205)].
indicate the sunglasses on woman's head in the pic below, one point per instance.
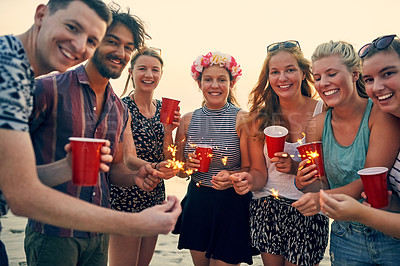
[(380, 44), (286, 44)]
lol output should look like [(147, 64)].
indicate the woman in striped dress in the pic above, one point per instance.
[(214, 223)]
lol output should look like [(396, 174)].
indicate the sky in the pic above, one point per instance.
[(184, 29)]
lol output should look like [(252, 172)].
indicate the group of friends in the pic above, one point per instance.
[(230, 212)]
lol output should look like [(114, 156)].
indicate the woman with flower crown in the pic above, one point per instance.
[(214, 223), (282, 96)]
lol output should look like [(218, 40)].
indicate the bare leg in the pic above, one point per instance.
[(147, 247), (123, 250), (199, 258), (272, 260), (220, 263)]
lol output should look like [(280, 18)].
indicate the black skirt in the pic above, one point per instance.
[(215, 222)]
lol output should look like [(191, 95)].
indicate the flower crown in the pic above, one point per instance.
[(216, 58)]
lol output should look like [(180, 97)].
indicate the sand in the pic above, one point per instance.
[(166, 253)]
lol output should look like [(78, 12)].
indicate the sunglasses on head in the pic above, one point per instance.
[(379, 43), (286, 44)]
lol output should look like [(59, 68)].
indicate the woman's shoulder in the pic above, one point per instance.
[(188, 115), (379, 118)]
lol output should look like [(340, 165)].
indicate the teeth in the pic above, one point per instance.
[(215, 93), (327, 93), (115, 61), (67, 54), (284, 87), (384, 97), (148, 82)]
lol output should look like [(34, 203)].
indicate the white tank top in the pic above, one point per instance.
[(281, 181)]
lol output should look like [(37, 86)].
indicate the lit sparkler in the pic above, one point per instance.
[(224, 160), (172, 148), (275, 193)]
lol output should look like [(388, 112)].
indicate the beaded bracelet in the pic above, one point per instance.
[(294, 181)]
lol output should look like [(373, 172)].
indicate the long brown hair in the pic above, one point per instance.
[(144, 51), (264, 102)]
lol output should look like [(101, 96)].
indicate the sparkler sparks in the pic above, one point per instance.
[(275, 193), (172, 148), (224, 159)]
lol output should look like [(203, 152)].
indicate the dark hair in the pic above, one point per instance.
[(144, 51), (231, 94), (393, 47), (98, 6), (132, 22), (265, 107)]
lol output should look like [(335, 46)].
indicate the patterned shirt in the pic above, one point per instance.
[(16, 90), (65, 106)]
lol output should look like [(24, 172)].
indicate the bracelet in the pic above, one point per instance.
[(155, 166), (294, 182)]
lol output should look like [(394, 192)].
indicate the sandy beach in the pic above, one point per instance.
[(166, 253)]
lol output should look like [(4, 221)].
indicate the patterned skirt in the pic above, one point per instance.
[(278, 228), (133, 199)]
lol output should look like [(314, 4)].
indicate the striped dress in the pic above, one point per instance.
[(394, 176), (216, 128), (215, 221)]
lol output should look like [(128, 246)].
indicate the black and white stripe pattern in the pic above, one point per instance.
[(216, 128), (394, 176)]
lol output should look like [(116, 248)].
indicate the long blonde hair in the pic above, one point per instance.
[(348, 56)]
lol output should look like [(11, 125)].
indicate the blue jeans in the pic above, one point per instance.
[(355, 244)]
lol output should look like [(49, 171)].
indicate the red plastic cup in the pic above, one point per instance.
[(375, 185), (85, 160), (204, 154), (313, 151), (275, 137), (168, 108)]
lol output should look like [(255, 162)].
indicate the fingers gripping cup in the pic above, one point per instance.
[(168, 108), (313, 151), (85, 160), (275, 137), (204, 154), (375, 185)]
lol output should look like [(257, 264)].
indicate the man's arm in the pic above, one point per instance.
[(145, 177), (59, 172), (27, 196)]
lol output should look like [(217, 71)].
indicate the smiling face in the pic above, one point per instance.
[(382, 81), (285, 75), (333, 81), (215, 85), (114, 52), (67, 37), (146, 73)]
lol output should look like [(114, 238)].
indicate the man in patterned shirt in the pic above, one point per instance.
[(65, 33), (82, 103)]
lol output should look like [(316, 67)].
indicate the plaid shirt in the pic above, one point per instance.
[(65, 106)]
